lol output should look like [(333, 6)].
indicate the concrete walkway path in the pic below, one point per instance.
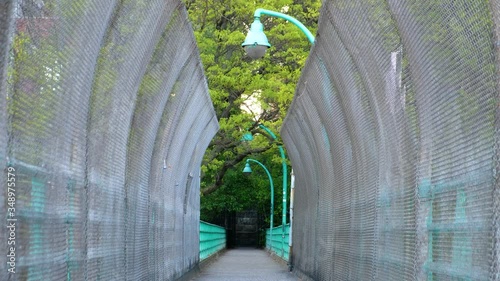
[(245, 264)]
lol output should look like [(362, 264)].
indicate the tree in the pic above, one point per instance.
[(246, 92)]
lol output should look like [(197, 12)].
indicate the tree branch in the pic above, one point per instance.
[(230, 164)]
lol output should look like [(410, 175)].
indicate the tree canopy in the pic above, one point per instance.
[(247, 92)]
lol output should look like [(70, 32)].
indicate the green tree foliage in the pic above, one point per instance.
[(234, 80), (243, 192)]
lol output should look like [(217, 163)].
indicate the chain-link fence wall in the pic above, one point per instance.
[(394, 139), (105, 117), (5, 31)]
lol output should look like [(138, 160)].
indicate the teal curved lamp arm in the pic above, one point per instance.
[(293, 20), (273, 136)]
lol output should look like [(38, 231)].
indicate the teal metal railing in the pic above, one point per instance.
[(212, 239), (277, 244)]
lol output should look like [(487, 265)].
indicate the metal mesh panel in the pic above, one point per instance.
[(5, 30), (393, 133), (494, 274), (96, 91)]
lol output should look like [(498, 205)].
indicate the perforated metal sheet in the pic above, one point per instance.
[(394, 142)]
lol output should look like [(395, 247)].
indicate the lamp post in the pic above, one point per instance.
[(249, 137), (256, 43), (247, 170)]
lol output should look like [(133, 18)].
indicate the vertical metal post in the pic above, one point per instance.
[(290, 243), (272, 201), (283, 220)]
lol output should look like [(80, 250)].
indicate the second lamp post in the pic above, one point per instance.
[(248, 170), (249, 137)]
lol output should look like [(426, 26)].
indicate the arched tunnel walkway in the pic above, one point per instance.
[(394, 135)]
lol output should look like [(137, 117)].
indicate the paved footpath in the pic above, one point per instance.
[(245, 264)]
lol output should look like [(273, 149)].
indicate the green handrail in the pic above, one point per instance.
[(212, 239), (274, 240)]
